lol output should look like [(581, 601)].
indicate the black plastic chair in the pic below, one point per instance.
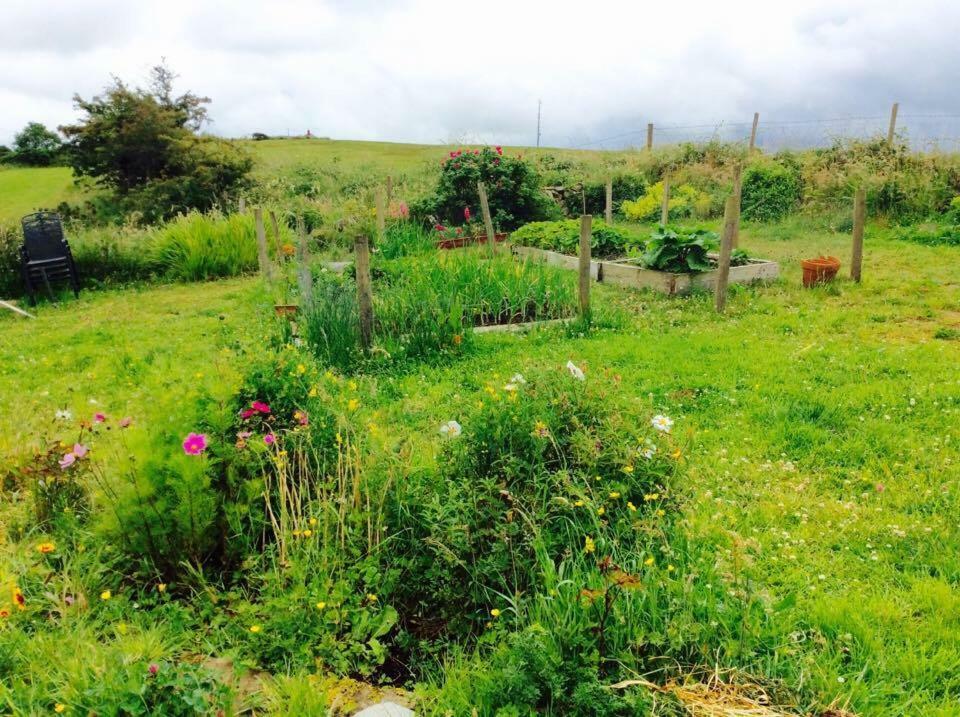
[(45, 255)]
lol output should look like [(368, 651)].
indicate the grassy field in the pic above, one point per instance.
[(820, 429), (25, 190)]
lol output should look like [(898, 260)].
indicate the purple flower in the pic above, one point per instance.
[(68, 460), (269, 439), (194, 444)]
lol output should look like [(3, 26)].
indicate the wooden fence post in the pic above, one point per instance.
[(262, 256), (304, 276), (665, 202), (389, 189), (381, 220), (364, 291), (242, 205), (893, 122), (608, 211), (586, 222), (859, 219), (275, 226), (753, 131), (487, 220), (737, 190), (731, 215), (649, 136)]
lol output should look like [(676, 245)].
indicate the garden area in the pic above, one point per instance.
[(344, 432)]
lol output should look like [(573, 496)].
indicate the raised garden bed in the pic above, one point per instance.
[(460, 242), (628, 272)]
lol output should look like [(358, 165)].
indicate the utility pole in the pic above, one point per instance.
[(539, 107)]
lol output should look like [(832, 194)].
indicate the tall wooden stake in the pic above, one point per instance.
[(859, 219), (891, 131), (262, 256), (737, 190), (304, 276), (487, 220), (649, 136), (242, 205), (389, 189), (275, 226), (731, 216), (608, 211), (665, 201), (753, 130), (381, 220), (364, 291), (585, 234)]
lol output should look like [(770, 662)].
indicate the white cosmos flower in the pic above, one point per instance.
[(451, 429), (63, 415), (575, 371), (518, 379), (648, 452), (662, 423)]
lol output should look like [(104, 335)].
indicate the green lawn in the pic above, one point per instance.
[(821, 426), (25, 190)]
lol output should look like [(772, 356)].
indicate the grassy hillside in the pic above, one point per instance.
[(25, 190)]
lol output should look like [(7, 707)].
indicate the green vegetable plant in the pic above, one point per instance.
[(682, 253)]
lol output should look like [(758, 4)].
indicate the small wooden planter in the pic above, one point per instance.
[(286, 310), (630, 274), (460, 242)]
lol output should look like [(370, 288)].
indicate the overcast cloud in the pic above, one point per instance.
[(441, 70)]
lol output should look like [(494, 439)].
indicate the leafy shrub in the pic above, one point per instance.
[(594, 195), (564, 236), (686, 252), (936, 236), (685, 201), (953, 213), (11, 281), (769, 192), (36, 146), (513, 190)]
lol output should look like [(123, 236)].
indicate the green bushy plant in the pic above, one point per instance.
[(405, 238), (564, 237), (769, 192), (679, 251), (594, 194), (513, 190), (685, 201), (931, 236)]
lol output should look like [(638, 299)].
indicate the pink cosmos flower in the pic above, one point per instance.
[(269, 439), (260, 407), (194, 444), (466, 213), (244, 435), (68, 460), (79, 450), (126, 421), (99, 417)]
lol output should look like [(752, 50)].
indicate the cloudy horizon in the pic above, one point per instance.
[(430, 71)]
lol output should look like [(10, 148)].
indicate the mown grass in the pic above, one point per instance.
[(25, 190), (821, 428)]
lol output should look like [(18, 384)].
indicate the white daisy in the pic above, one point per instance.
[(662, 423), (575, 371), (451, 429), (64, 415)]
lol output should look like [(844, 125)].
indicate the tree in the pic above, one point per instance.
[(142, 144), (37, 146)]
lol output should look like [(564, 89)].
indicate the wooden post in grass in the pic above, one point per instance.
[(649, 136), (389, 189), (737, 188), (891, 131), (381, 220), (585, 233), (262, 255), (731, 216), (364, 291), (608, 211), (665, 202), (242, 205), (304, 277), (859, 219), (753, 131), (275, 226), (487, 220)]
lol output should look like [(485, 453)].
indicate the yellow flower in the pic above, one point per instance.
[(660, 512), (199, 374), (628, 468), (296, 534), (46, 547), (495, 612), (339, 438), (313, 392), (614, 495), (321, 605), (307, 533), (651, 496), (329, 375), (578, 503), (352, 385), (371, 597), (161, 587), (588, 545), (313, 521), (631, 506), (59, 707), (676, 454), (301, 369), (601, 510), (648, 562), (255, 629), (106, 595), (353, 404), (670, 568)]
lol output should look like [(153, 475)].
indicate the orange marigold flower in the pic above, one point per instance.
[(46, 547)]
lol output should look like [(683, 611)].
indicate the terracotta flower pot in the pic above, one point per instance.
[(459, 242), (821, 270), (288, 310)]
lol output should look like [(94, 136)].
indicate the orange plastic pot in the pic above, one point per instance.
[(821, 270)]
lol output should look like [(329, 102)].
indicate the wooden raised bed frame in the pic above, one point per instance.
[(626, 273)]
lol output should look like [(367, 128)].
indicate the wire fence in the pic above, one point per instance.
[(922, 132)]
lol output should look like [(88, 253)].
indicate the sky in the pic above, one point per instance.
[(443, 71)]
